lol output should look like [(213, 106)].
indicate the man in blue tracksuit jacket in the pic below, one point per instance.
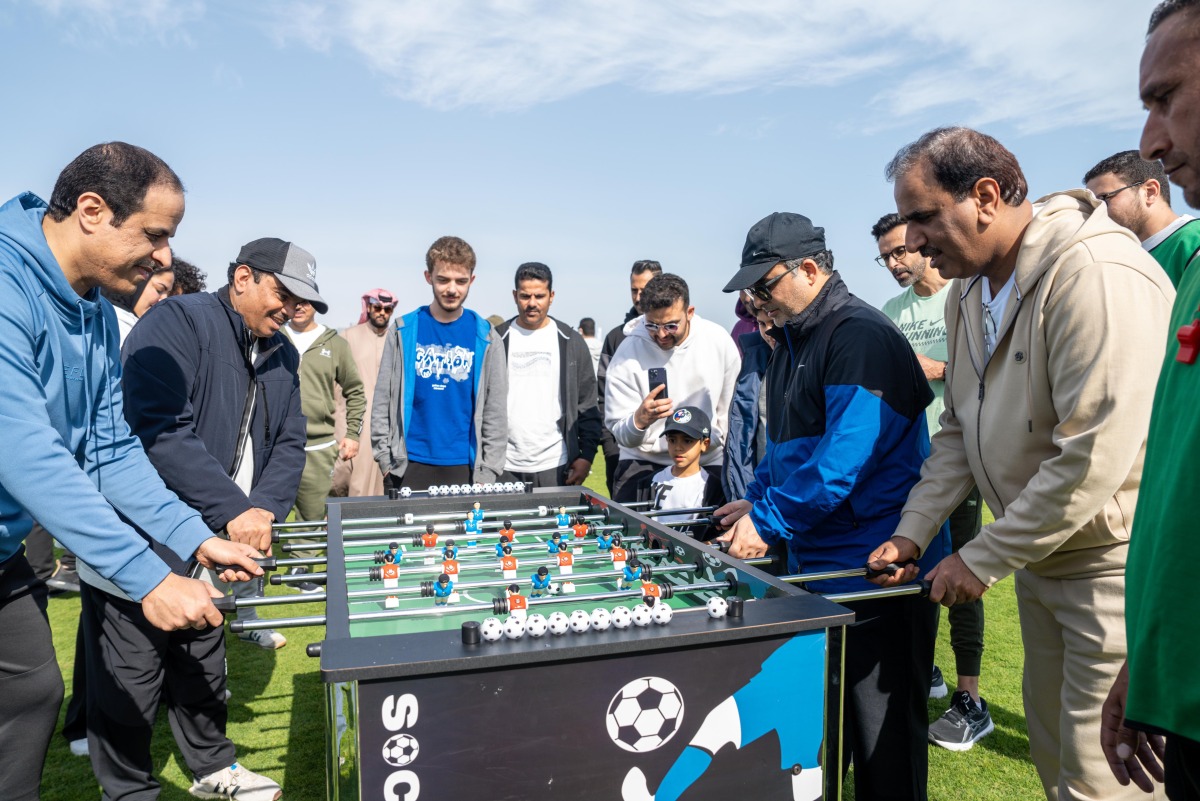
[(69, 459), (846, 435)]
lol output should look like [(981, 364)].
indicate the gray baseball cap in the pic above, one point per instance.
[(294, 266)]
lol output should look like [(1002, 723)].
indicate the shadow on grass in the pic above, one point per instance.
[(304, 754)]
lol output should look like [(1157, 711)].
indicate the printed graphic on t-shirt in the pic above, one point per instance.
[(923, 332), (443, 363)]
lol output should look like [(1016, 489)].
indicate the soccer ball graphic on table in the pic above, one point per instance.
[(645, 714), (401, 750)]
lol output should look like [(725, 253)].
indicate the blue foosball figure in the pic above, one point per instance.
[(471, 525), (604, 541), (552, 543), (449, 550), (500, 545), (631, 573), (442, 589), (563, 520), (541, 583), (477, 513)]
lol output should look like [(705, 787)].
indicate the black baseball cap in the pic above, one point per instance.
[(778, 237), (689, 420), (294, 266)]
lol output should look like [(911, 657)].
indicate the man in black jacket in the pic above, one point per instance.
[(553, 420), (643, 270), (211, 389)]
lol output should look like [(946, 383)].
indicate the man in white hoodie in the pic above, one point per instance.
[(701, 366)]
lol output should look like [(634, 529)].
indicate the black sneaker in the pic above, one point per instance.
[(63, 579), (964, 724), (937, 687), (306, 587)]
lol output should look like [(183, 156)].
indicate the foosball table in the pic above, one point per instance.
[(500, 643)]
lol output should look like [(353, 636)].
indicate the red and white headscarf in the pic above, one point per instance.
[(376, 296)]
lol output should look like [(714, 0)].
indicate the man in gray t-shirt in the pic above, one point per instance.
[(920, 314)]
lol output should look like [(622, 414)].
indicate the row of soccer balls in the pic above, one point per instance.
[(468, 489), (558, 623)]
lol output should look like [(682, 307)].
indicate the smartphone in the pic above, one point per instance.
[(658, 377)]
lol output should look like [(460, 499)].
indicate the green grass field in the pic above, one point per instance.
[(276, 713)]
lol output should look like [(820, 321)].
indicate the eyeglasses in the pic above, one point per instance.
[(670, 328), (1107, 196), (762, 290), (385, 307), (895, 254)]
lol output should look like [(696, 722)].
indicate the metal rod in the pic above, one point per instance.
[(493, 515), (354, 533), (699, 510), (280, 600), (885, 592), (435, 569), (278, 623), (300, 578)]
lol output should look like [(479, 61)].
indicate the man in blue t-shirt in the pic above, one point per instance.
[(439, 415)]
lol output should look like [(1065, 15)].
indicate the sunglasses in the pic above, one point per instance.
[(387, 307), (762, 290), (670, 328)]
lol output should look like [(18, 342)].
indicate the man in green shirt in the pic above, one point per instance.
[(1138, 197), (920, 314), (1157, 693)]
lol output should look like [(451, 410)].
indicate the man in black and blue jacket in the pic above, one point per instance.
[(846, 435)]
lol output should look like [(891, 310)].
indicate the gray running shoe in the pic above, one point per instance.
[(964, 724), (937, 687)]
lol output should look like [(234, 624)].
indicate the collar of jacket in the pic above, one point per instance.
[(243, 335), (831, 298)]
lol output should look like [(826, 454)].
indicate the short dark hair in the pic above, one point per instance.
[(662, 291), (189, 278), (1130, 167), (587, 327), (646, 265), (533, 271), (451, 250), (119, 172), (958, 158), (255, 274), (1167, 9), (885, 224), (822, 258), (129, 300)]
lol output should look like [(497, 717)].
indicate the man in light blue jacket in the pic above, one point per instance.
[(69, 458)]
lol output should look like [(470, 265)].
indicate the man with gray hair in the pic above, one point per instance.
[(1054, 335)]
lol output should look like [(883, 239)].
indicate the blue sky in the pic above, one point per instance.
[(582, 134)]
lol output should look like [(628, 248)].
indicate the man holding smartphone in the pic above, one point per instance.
[(695, 357)]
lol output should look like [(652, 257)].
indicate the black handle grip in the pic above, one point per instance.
[(890, 569), (226, 604), (313, 649)]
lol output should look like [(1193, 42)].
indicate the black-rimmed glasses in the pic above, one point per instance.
[(1107, 196), (895, 254)]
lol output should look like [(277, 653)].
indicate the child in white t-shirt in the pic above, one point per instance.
[(685, 484)]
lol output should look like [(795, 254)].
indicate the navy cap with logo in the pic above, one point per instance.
[(294, 266), (689, 420), (778, 237)]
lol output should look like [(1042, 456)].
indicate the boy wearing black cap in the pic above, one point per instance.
[(685, 484)]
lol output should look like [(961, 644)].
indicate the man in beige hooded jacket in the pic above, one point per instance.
[(1056, 327)]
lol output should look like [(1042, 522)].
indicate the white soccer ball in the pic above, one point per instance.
[(536, 625), (405, 492), (558, 623), (580, 621), (491, 629), (434, 490), (645, 714), (476, 488), (401, 750), (642, 616), (601, 619), (662, 613), (452, 489), (444, 489), (622, 618), (717, 607), (514, 627)]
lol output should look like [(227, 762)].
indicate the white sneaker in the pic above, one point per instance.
[(235, 782), (263, 638), (79, 747)]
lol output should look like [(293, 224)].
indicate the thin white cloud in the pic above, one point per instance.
[(1037, 65), (124, 20)]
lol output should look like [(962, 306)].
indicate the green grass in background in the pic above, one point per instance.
[(276, 715)]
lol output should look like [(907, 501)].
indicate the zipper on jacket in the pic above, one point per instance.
[(979, 445), (247, 410)]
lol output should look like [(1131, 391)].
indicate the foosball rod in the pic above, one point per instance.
[(439, 517), (436, 569), (425, 588), (695, 510), (488, 537), (457, 529)]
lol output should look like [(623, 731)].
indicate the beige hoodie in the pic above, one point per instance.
[(1053, 427)]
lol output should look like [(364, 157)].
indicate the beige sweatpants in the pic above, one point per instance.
[(1074, 636)]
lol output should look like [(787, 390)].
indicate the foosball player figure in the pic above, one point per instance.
[(477, 512), (619, 554), (501, 544), (566, 565), (450, 568), (604, 541), (630, 573), (518, 604), (450, 550), (540, 582), (391, 576), (508, 531), (552, 543), (442, 589), (429, 538), (563, 519), (471, 525), (508, 563), (580, 529)]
